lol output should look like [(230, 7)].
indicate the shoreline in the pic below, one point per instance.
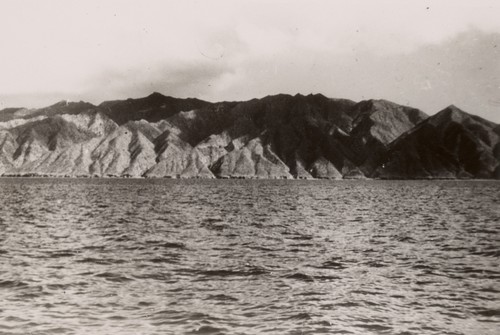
[(237, 178)]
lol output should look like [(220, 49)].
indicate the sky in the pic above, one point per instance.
[(426, 54)]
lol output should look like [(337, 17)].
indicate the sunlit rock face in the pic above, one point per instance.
[(276, 137)]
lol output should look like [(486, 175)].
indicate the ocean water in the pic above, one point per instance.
[(121, 256)]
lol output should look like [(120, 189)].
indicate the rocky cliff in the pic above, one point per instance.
[(451, 144), (279, 136)]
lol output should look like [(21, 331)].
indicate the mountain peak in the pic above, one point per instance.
[(453, 107), (62, 103), (71, 104), (454, 114), (453, 110), (449, 114), (156, 95), (382, 103), (382, 107)]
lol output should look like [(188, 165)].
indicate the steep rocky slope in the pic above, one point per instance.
[(62, 107), (279, 136), (450, 144), (152, 108), (376, 123)]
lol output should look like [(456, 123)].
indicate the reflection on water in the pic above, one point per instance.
[(249, 257)]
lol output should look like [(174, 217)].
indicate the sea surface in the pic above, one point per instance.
[(123, 256)]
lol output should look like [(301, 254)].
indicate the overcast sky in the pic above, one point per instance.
[(424, 53)]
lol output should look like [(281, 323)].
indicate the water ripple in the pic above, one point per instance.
[(107, 256)]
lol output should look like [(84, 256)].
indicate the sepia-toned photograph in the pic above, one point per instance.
[(241, 167)]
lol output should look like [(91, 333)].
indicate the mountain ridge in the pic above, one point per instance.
[(277, 136)]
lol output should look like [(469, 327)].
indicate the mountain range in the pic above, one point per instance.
[(280, 136)]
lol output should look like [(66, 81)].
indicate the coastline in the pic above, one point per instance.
[(44, 176)]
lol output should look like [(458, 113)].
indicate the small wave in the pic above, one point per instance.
[(173, 245), (135, 247), (166, 245), (114, 277), (374, 264), (238, 273), (12, 284), (326, 278), (425, 282), (7, 327), (300, 316), (221, 273), (422, 267), (484, 272), (302, 245), (453, 248), (94, 247), (116, 317), (167, 260), (261, 248), (145, 303), (332, 265), (223, 248), (300, 276), (207, 330), (221, 297), (295, 250), (483, 231), (453, 315), (374, 327), (310, 294), (119, 238), (31, 295), (156, 276), (171, 313), (406, 239), (214, 224), (487, 253), (489, 312), (102, 261), (257, 225), (58, 286), (298, 237), (58, 330), (364, 292), (201, 316), (348, 304), (62, 253), (489, 290), (12, 318), (211, 220)]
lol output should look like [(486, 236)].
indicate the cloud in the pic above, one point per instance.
[(227, 50), (181, 80), (461, 70)]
